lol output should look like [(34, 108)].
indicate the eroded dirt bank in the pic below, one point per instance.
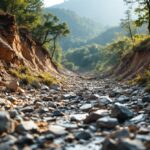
[(17, 47)]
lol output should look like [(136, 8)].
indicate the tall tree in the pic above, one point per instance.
[(27, 12), (129, 25), (142, 10), (50, 31)]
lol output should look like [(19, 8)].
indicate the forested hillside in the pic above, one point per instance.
[(29, 40), (81, 28), (108, 36), (106, 12), (110, 47)]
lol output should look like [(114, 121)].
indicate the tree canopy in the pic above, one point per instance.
[(46, 28), (28, 12), (142, 10)]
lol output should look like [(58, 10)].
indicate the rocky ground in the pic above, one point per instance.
[(86, 115)]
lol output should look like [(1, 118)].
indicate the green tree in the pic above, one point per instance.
[(128, 25), (27, 12), (142, 10), (50, 31)]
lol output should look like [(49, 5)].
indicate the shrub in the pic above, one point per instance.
[(26, 77), (47, 78)]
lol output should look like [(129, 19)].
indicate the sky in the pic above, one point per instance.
[(48, 3)]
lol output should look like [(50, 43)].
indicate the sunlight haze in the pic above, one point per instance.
[(48, 3)]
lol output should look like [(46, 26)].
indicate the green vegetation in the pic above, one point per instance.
[(142, 79), (45, 28), (142, 10), (95, 57), (26, 77), (100, 58), (81, 28), (88, 47), (28, 13), (49, 31)]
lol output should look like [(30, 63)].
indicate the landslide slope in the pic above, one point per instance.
[(17, 47), (135, 63)]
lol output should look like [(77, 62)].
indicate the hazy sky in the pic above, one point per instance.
[(48, 3)]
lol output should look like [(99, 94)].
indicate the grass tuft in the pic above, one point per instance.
[(27, 78)]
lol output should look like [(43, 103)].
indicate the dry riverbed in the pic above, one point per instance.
[(86, 115)]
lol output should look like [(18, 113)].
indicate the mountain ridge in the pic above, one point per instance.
[(94, 10)]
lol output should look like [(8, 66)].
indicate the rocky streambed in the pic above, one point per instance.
[(87, 115)]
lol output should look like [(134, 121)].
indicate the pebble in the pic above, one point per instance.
[(26, 126), (57, 113), (146, 98), (86, 107), (94, 116), (79, 115), (83, 135), (104, 100), (138, 118), (121, 112), (107, 122), (70, 95), (28, 109), (5, 122), (123, 99), (57, 130)]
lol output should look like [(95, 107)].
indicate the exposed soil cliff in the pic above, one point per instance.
[(17, 47), (135, 63)]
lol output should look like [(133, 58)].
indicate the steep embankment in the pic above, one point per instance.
[(17, 47), (136, 63)]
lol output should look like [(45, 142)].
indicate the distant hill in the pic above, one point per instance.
[(108, 36), (82, 29), (107, 12)]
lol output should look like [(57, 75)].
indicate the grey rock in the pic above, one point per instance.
[(27, 109), (83, 135), (127, 144), (55, 87), (52, 104), (146, 98), (44, 87), (13, 113), (94, 97), (26, 126), (47, 98), (86, 107), (94, 116), (109, 144), (5, 122), (123, 144), (78, 117), (12, 99), (117, 91), (121, 112), (107, 122), (123, 99), (2, 101), (70, 95), (104, 100), (43, 110), (138, 118), (5, 146), (28, 139), (57, 130), (122, 133), (57, 113)]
